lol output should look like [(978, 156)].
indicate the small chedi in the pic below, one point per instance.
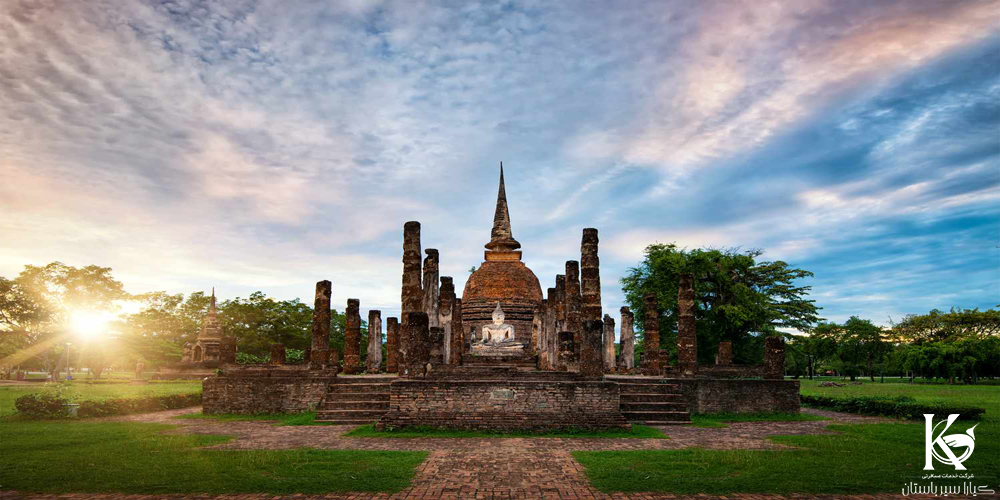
[(210, 350), (502, 356)]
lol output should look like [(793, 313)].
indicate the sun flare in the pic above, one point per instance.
[(89, 324)]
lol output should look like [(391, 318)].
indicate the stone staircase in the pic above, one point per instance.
[(355, 400), (650, 401)]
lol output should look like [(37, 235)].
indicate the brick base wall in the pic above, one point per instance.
[(740, 396), (265, 389), (504, 405)]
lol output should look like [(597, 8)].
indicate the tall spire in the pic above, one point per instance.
[(212, 306), (501, 238)]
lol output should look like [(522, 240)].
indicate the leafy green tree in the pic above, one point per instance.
[(737, 298), (937, 326), (62, 291), (23, 320)]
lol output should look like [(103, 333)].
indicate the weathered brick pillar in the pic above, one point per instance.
[(591, 364), (561, 303), (392, 345), (566, 355), (774, 358), (549, 332), (277, 354), (320, 326), (373, 362), (687, 335), (651, 337), (436, 340), (626, 359), (352, 338), (412, 292), (725, 355), (573, 303), (333, 361), (590, 277), (457, 339), (446, 305), (432, 291), (415, 344), (609, 344), (536, 330)]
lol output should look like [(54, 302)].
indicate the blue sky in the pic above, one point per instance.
[(267, 145)]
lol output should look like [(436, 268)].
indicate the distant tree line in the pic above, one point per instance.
[(37, 306), (958, 345)]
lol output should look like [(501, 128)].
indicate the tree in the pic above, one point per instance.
[(737, 298), (22, 320), (62, 291)]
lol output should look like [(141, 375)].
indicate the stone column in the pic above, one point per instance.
[(227, 350), (373, 363), (392, 345), (566, 353), (687, 336), (432, 292), (412, 291), (573, 303), (549, 332), (352, 338), (591, 364), (536, 331), (651, 337), (774, 358), (446, 304), (457, 341), (436, 344), (609, 344), (626, 359), (414, 339), (561, 303), (725, 355), (277, 354), (590, 277), (320, 326)]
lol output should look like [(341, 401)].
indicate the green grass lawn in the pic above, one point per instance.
[(56, 457), (86, 391), (638, 431), (984, 396), (869, 458), (721, 419), (304, 418)]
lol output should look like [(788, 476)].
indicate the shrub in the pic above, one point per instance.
[(50, 405), (903, 407)]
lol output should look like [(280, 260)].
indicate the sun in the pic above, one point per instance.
[(89, 324)]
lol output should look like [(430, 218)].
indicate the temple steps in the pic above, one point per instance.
[(355, 400), (651, 401)]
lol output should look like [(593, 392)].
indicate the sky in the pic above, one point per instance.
[(253, 145)]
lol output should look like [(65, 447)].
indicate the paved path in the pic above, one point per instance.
[(528, 468)]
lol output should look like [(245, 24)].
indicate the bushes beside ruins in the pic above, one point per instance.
[(903, 407), (48, 405)]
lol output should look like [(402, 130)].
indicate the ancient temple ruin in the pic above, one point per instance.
[(503, 356), (210, 350)]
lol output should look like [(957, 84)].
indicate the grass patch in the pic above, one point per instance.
[(304, 418), (82, 390), (983, 396), (869, 458), (637, 431), (92, 457), (721, 419)]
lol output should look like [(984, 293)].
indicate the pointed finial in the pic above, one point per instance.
[(212, 307), (501, 238)]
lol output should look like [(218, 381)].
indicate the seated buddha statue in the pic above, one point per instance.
[(498, 332)]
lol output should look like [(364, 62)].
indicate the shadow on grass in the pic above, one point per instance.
[(127, 457)]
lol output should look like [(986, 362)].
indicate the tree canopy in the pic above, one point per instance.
[(737, 298)]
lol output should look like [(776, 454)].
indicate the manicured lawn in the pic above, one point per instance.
[(638, 431), (97, 391), (984, 396), (136, 458), (304, 418), (721, 419), (867, 458)]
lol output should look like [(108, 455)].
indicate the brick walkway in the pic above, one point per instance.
[(488, 468)]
